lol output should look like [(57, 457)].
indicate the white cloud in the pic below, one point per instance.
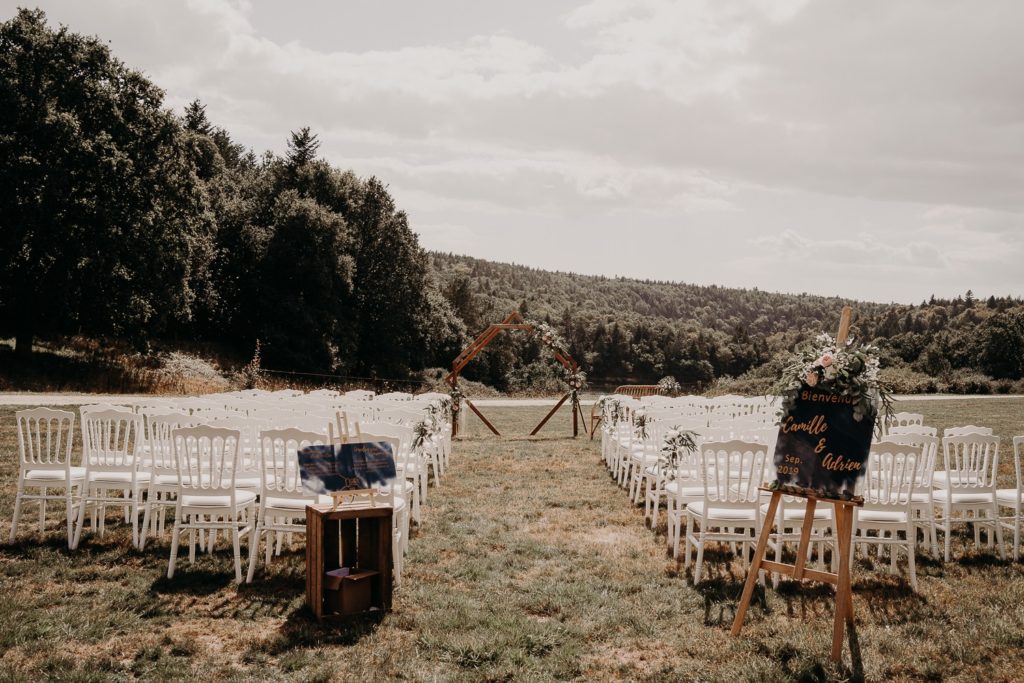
[(896, 126)]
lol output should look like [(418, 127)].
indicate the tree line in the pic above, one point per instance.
[(122, 219)]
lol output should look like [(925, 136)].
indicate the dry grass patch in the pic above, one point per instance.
[(531, 565)]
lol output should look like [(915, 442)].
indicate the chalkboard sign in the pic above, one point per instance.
[(328, 469), (820, 445)]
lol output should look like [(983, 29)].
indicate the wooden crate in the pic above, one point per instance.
[(358, 537)]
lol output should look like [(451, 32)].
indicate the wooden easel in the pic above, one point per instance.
[(843, 530)]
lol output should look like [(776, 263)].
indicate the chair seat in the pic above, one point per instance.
[(921, 497), (721, 514), (1009, 497), (283, 503), (677, 488), (962, 497), (866, 516), (797, 513), (165, 480), (242, 498), (118, 477), (941, 480), (249, 483), (77, 473)]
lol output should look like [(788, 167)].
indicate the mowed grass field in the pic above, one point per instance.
[(530, 565)]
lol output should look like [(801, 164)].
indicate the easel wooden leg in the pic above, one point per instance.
[(844, 598), (755, 564)]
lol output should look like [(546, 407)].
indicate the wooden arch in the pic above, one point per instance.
[(514, 321)]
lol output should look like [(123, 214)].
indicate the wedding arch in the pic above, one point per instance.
[(514, 321)]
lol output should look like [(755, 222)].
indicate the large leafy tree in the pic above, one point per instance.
[(101, 213)]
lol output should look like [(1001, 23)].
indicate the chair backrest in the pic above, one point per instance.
[(110, 439), (914, 429), (904, 419), (929, 453), (1018, 455), (280, 449), (45, 438), (399, 416), (966, 429), (359, 395), (972, 460), (207, 458), (892, 474), (733, 471), (159, 428)]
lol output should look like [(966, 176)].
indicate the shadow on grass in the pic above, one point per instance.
[(192, 581), (721, 597), (302, 630)]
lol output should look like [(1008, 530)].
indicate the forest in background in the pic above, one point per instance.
[(133, 231)]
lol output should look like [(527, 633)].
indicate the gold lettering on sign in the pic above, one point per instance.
[(816, 425), (816, 397), (839, 463)]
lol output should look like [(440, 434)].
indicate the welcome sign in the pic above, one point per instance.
[(329, 469), (820, 445)]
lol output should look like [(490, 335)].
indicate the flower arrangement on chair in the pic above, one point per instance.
[(669, 386), (676, 441)]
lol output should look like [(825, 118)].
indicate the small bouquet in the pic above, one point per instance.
[(677, 441)]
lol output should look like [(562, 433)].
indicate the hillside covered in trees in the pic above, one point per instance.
[(123, 221), (624, 330)]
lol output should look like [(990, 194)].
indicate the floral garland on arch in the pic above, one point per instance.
[(455, 397), (677, 440), (574, 378), (549, 337), (849, 370)]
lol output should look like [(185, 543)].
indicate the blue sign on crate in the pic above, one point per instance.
[(328, 469)]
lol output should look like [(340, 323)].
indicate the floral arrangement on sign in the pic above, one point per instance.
[(677, 440), (849, 370), (668, 386)]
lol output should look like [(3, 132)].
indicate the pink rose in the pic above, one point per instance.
[(825, 360)]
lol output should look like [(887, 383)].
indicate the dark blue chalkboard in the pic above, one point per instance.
[(820, 445), (328, 469)]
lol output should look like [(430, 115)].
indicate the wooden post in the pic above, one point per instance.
[(844, 325)]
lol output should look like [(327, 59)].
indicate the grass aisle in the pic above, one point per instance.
[(531, 565)]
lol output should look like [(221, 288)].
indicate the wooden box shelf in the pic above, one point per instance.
[(357, 537)]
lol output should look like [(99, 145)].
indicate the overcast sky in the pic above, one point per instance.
[(870, 149)]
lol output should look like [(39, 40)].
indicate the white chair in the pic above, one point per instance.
[(913, 429), (729, 511), (282, 498), (162, 468), (397, 497), (923, 504), (903, 419), (1014, 498), (110, 442), (888, 489), (408, 465), (208, 499), (969, 486), (45, 437)]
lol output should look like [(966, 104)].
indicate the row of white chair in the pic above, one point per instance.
[(901, 494)]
